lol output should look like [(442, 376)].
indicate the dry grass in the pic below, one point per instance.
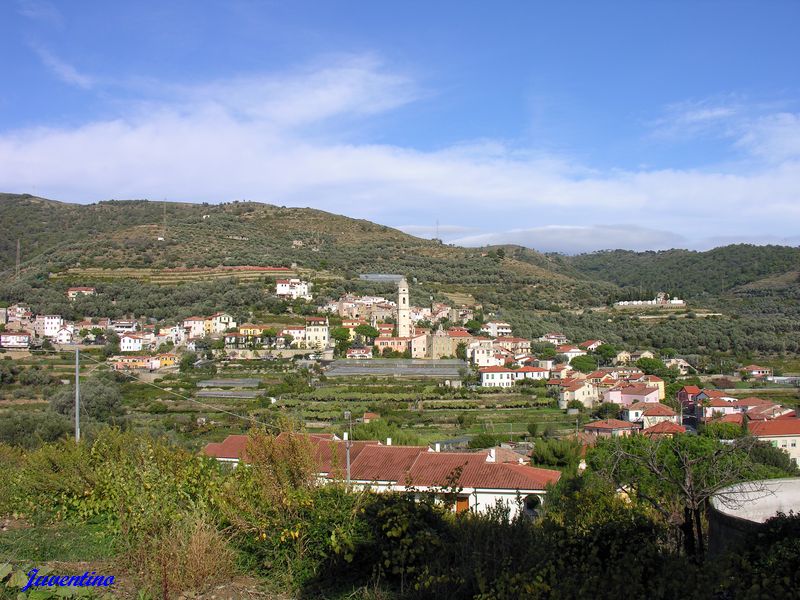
[(191, 556)]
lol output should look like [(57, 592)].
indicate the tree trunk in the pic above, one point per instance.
[(699, 527), (687, 528)]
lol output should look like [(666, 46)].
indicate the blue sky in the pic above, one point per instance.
[(568, 126)]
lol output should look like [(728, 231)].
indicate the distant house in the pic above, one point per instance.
[(781, 433), (17, 340), (582, 391), (610, 428), (557, 339), (496, 328), (626, 394), (591, 345), (684, 368), (130, 342), (687, 394), (359, 353), (219, 323), (757, 372), (649, 413), (641, 354), (64, 335), (74, 292), (369, 417), (293, 289), (123, 326), (570, 351), (505, 377), (195, 327), (317, 332), (48, 325), (663, 429)]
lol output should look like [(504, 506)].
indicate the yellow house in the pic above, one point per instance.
[(168, 360)]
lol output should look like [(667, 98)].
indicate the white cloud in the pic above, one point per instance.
[(252, 138), (63, 70), (574, 239), (773, 137)]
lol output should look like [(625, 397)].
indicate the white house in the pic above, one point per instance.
[(121, 327), (359, 353), (64, 335), (591, 345), (74, 292), (505, 377), (757, 372), (554, 338), (130, 342), (221, 322), (298, 335), (293, 289), (195, 327), (649, 414), (16, 339), (570, 351), (496, 328), (317, 332)]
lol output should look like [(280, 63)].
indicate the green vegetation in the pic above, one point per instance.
[(168, 523)]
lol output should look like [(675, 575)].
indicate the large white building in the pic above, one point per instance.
[(317, 334), (505, 377), (293, 289)]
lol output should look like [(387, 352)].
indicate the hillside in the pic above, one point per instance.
[(78, 240), (687, 273)]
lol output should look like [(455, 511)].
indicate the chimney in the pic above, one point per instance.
[(388, 441), (345, 436), (491, 456), (437, 447)]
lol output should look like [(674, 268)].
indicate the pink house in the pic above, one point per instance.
[(630, 394)]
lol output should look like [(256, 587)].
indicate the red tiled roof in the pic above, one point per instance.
[(384, 463), (434, 469), (495, 369), (638, 389), (690, 389), (664, 428), (737, 418), (656, 409), (756, 368), (775, 427), (609, 424)]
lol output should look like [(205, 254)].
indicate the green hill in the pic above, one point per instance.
[(59, 238), (687, 273)]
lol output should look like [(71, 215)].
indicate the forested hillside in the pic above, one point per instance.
[(687, 273)]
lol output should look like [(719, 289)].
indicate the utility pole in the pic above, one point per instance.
[(348, 415), (18, 255), (164, 228), (77, 396)]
